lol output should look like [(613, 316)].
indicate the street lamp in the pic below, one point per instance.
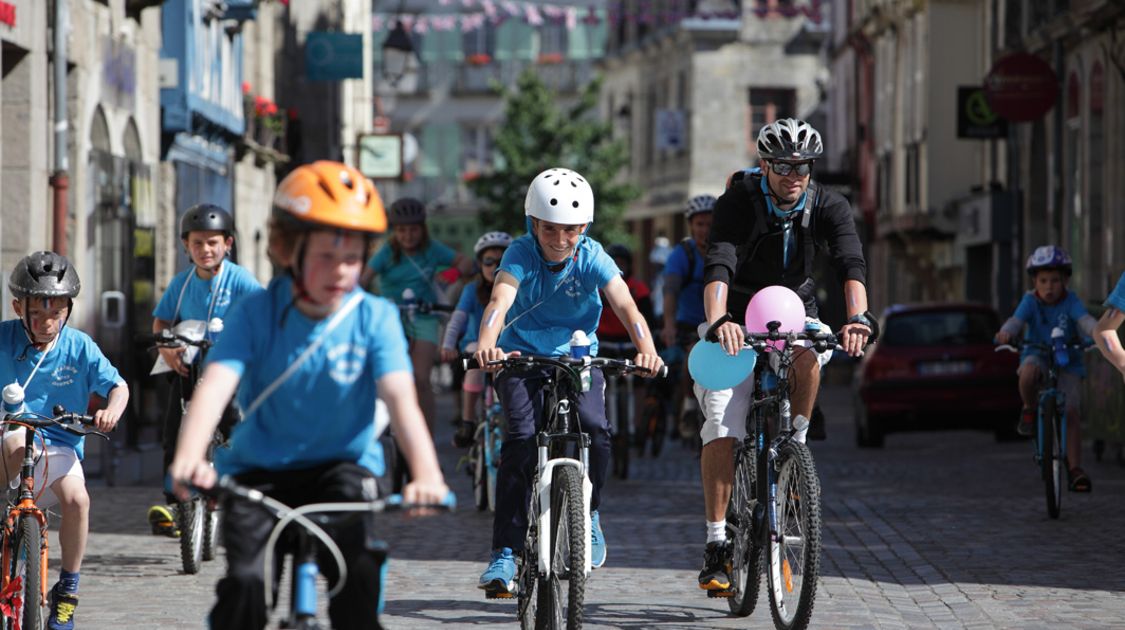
[(399, 59)]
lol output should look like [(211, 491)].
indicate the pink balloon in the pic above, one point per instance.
[(775, 304)]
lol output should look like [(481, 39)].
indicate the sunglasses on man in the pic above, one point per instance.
[(785, 168)]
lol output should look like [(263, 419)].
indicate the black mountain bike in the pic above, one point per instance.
[(775, 502)]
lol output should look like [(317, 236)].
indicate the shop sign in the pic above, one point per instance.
[(1021, 87), (975, 119)]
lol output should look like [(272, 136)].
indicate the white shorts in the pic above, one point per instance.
[(59, 461), (725, 410)]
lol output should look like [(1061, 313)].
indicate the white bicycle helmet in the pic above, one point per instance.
[(490, 240), (789, 139), (560, 195), (698, 204)]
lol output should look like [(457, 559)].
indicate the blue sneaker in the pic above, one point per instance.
[(62, 609), (499, 579), (597, 541)]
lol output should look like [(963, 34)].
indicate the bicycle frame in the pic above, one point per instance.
[(758, 431), (1049, 391), (24, 506), (557, 432)]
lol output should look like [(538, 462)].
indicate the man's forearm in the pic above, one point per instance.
[(715, 300), (855, 297)]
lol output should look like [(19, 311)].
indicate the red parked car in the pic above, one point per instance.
[(935, 367)]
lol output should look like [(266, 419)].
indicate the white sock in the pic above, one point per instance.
[(799, 434), (717, 531)]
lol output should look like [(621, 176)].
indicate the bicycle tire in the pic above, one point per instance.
[(189, 515), (493, 465), (796, 472), (568, 549), (25, 565), (527, 574), (210, 530), (746, 547), (659, 428), (1051, 464), (480, 472)]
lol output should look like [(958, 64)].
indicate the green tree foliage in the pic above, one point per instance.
[(536, 135)]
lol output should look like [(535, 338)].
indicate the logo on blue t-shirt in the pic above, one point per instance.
[(222, 297), (346, 361), (63, 375)]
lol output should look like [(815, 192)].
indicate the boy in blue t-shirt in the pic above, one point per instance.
[(1105, 335), (309, 356), (683, 300), (203, 292), (547, 288), (56, 365), (1046, 307)]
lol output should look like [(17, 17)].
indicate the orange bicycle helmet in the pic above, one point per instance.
[(333, 195)]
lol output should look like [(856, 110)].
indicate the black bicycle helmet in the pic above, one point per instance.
[(407, 211), (206, 217), (44, 275)]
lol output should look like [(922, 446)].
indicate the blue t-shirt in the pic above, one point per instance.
[(415, 272), (689, 302), (324, 412), (475, 310), (71, 371), (1041, 318), (550, 306), (1116, 299), (204, 299)]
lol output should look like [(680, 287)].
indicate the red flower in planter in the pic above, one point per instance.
[(550, 58), (478, 59)]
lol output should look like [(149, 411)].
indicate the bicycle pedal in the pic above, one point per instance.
[(499, 595), (721, 594)]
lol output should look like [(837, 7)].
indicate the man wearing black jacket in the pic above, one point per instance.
[(767, 229)]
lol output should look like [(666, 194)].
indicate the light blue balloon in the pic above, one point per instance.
[(714, 369)]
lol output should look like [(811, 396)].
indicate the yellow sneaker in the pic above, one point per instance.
[(162, 518)]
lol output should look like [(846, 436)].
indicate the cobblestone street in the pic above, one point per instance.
[(937, 530)]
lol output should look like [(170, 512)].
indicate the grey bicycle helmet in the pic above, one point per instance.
[(789, 139), (206, 217), (1049, 257), (699, 204), (407, 211), (490, 240), (44, 275)]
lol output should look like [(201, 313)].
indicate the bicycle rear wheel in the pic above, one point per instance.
[(190, 516), (746, 548), (480, 468), (568, 555), (24, 565), (1052, 460), (210, 529), (794, 558)]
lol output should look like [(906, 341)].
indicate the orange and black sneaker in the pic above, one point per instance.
[(715, 575)]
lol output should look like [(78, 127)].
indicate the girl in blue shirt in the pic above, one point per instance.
[(547, 288), (1048, 306), (409, 261), (202, 292), (309, 357), (464, 325), (56, 365), (1105, 335)]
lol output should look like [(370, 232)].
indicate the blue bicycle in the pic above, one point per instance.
[(1050, 422), (311, 520), (484, 454)]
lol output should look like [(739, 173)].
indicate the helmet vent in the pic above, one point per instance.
[(574, 204), (554, 202), (327, 190)]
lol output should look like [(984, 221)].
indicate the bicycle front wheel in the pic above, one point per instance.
[(210, 530), (190, 517), (794, 557), (746, 548), (568, 555), (25, 566), (1052, 460)]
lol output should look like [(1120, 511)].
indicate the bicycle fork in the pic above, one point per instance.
[(544, 485)]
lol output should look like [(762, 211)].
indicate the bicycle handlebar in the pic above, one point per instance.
[(168, 339), (62, 419), (1016, 346), (227, 485), (822, 341), (425, 308), (620, 366)]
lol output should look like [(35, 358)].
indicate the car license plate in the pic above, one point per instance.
[(944, 368)]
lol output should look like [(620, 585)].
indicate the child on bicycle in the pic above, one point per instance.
[(201, 292), (464, 325), (1106, 333), (410, 259), (1048, 306), (56, 365), (547, 288), (309, 356)]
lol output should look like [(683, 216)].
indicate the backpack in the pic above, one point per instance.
[(690, 251)]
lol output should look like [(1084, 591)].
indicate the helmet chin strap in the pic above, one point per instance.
[(777, 200)]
